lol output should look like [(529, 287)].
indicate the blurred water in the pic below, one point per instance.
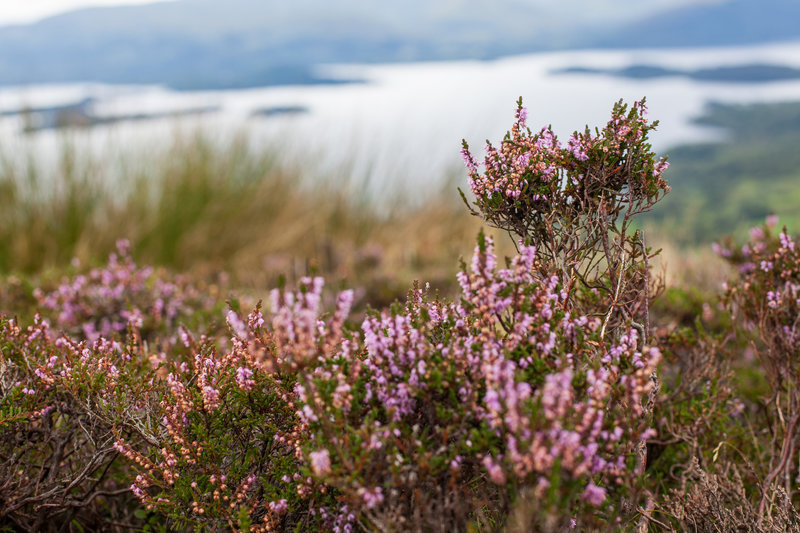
[(401, 130)]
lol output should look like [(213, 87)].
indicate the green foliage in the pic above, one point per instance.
[(728, 187)]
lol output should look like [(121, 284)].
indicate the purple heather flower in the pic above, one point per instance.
[(372, 497), (594, 495), (772, 221), (320, 462), (278, 507), (577, 147), (469, 161), (236, 324), (719, 250), (138, 492), (243, 378), (495, 471), (757, 233), (522, 116), (786, 241), (773, 299)]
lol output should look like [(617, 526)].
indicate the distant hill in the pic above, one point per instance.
[(238, 43), (728, 187), (749, 73), (716, 23), (210, 44)]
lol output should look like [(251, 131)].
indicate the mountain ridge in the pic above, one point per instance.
[(732, 22), (207, 44)]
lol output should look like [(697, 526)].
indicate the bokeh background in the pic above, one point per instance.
[(254, 140)]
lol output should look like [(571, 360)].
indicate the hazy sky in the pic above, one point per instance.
[(17, 11), (22, 11)]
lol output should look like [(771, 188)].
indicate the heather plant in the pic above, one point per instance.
[(577, 204), (224, 445), (106, 301), (61, 403), (703, 440), (719, 503), (766, 301), (734, 423), (460, 409)]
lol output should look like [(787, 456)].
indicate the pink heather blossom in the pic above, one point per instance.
[(278, 507), (522, 116), (719, 250), (320, 462), (105, 301), (372, 497), (773, 299), (757, 233), (307, 414), (374, 442), (183, 334), (661, 167), (211, 398), (469, 162), (577, 147), (256, 319), (495, 471), (138, 492), (594, 495), (772, 221), (786, 241), (237, 326), (244, 378)]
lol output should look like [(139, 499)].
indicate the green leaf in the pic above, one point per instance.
[(244, 519)]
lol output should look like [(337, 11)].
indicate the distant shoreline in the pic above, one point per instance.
[(751, 73)]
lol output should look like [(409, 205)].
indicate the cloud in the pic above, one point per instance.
[(15, 12)]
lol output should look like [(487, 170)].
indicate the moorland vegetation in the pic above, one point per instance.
[(555, 385)]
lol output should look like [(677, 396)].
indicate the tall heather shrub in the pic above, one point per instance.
[(577, 204)]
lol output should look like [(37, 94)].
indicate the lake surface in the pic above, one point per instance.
[(401, 129)]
